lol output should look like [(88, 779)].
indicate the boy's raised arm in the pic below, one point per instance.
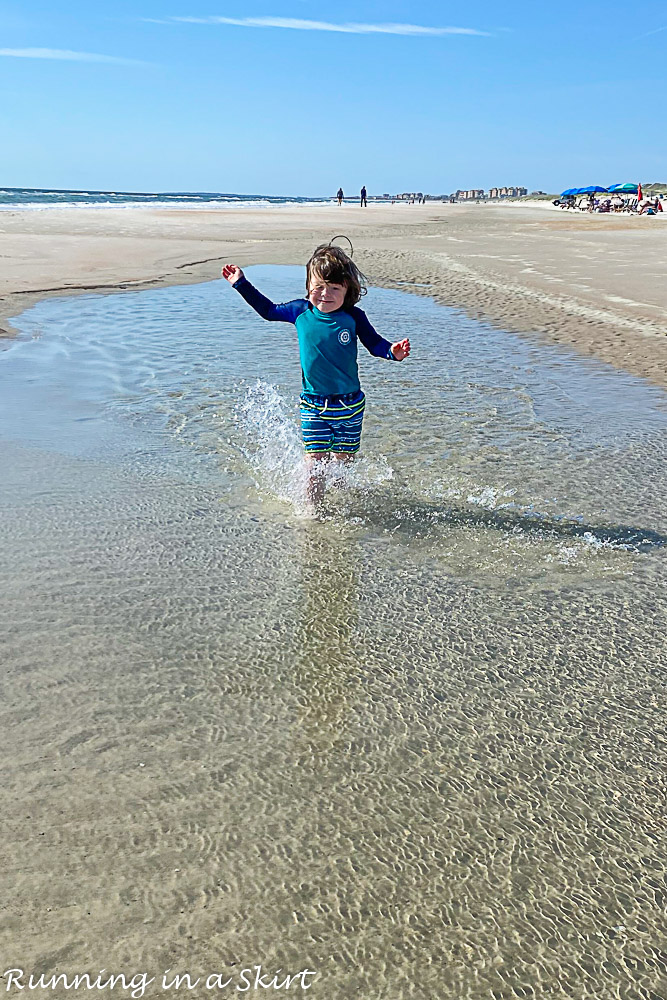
[(374, 343), (284, 312)]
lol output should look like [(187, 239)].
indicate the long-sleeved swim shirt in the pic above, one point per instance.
[(327, 341)]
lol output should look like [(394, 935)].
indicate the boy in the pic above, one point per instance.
[(328, 325)]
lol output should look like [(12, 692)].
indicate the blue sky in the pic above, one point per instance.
[(301, 97)]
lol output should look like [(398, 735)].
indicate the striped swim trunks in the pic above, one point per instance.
[(332, 423)]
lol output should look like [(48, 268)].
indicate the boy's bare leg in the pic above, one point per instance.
[(316, 480), (347, 459), (317, 475)]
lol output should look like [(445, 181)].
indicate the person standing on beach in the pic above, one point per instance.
[(364, 203), (340, 196), (328, 325)]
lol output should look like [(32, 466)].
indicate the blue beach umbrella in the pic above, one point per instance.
[(570, 191), (593, 189)]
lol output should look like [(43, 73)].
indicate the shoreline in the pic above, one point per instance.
[(596, 284)]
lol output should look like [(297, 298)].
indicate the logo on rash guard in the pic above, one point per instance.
[(344, 336)]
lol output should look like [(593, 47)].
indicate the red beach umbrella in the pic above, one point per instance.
[(639, 192)]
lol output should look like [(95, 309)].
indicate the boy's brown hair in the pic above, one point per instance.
[(330, 263)]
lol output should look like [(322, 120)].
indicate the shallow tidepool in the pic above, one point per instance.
[(418, 746)]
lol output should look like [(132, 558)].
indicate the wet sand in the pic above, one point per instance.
[(597, 284)]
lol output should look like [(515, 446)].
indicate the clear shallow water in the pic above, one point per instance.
[(418, 747)]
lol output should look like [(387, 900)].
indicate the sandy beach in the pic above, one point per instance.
[(597, 284)]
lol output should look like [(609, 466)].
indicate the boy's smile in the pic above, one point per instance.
[(326, 296)]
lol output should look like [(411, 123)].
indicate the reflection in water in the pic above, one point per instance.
[(327, 647)]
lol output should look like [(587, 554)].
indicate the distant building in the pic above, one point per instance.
[(508, 192), (470, 195)]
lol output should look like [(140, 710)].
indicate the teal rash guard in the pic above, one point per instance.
[(327, 341)]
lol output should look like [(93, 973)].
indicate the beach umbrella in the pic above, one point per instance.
[(593, 189), (570, 191), (628, 188)]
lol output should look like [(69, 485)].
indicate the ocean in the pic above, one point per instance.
[(418, 746), (37, 198)]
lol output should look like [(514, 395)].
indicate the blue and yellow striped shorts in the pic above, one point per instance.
[(332, 423)]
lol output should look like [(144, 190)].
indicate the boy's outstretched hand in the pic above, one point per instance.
[(232, 273), (401, 349)]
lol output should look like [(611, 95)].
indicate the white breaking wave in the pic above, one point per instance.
[(202, 205)]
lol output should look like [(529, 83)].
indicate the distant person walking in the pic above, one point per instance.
[(340, 196), (363, 202)]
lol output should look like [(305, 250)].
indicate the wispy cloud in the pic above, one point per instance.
[(70, 56), (349, 28), (656, 31)]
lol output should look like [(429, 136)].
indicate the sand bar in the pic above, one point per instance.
[(595, 283)]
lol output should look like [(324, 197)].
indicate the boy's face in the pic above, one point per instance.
[(326, 296)]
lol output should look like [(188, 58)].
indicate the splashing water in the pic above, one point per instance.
[(271, 446)]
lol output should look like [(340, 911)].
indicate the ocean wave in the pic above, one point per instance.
[(33, 198), (44, 206)]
